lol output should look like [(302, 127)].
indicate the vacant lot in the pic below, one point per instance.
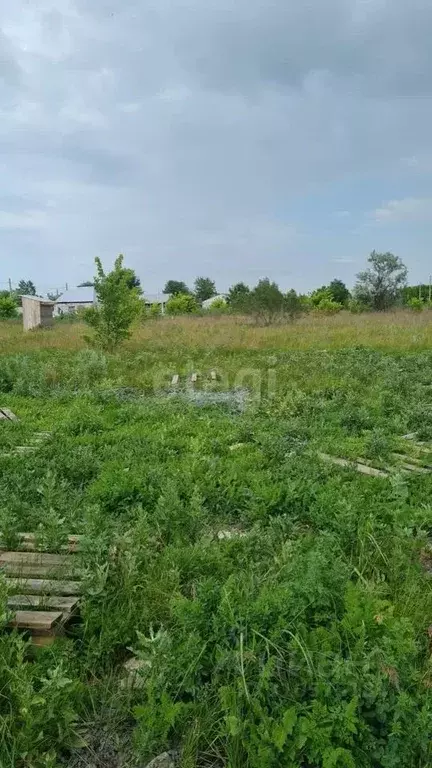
[(280, 606)]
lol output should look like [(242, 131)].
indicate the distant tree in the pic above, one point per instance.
[(293, 304), (380, 286), (339, 292), (8, 307), (236, 296), (53, 296), (118, 306), (321, 294), (265, 302), (204, 288), (26, 288), (86, 284), (182, 304), (174, 287)]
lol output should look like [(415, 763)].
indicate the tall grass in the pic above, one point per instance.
[(400, 330)]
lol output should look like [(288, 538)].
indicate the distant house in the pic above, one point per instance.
[(81, 298), (207, 304), (75, 299), (156, 298)]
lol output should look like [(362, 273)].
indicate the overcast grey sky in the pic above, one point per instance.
[(236, 139)]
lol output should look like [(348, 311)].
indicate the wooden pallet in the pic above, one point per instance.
[(5, 413), (43, 587), (193, 378)]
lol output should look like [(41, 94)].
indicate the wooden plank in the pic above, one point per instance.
[(213, 375), (30, 542), (362, 468), (38, 558), (38, 571), (42, 621), (414, 465), (194, 378), (44, 586), (53, 602), (8, 414), (175, 379)]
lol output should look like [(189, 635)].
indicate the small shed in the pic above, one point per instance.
[(37, 312)]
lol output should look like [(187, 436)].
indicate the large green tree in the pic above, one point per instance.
[(339, 292), (380, 286), (26, 288), (237, 295), (174, 287), (266, 302), (118, 304), (204, 288)]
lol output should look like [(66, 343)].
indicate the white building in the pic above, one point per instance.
[(81, 298), (207, 304), (74, 300)]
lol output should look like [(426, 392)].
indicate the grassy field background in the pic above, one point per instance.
[(392, 331), (280, 606)]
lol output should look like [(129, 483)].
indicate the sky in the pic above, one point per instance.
[(237, 139)]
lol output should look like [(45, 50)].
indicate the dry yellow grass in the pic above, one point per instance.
[(401, 330)]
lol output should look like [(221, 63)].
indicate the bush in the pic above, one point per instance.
[(218, 306), (328, 307), (356, 307), (415, 304), (182, 304), (8, 308)]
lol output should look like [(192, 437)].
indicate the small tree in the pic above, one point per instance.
[(8, 308), (339, 292), (86, 284), (183, 304), (380, 285), (266, 302), (26, 288), (118, 306), (237, 295), (293, 305), (174, 287), (204, 288)]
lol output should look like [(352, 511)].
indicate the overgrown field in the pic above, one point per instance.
[(282, 607)]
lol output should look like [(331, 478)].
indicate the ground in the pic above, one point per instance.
[(280, 606)]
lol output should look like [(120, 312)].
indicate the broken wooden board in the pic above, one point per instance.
[(364, 469), (213, 375), (194, 378), (43, 586), (34, 542), (5, 413), (50, 602), (175, 379)]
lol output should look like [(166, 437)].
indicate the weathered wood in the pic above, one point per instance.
[(38, 558), (194, 378), (8, 414), (358, 467), (213, 375), (175, 379), (52, 602), (42, 621), (414, 465), (44, 586), (30, 542)]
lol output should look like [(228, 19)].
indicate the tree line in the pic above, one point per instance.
[(381, 286)]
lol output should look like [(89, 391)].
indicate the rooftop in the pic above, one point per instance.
[(84, 295)]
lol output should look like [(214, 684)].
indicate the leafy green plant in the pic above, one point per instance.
[(182, 304), (119, 304), (8, 308)]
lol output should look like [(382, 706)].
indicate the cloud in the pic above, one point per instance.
[(219, 134), (407, 210)]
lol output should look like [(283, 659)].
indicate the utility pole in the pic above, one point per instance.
[(10, 286), (430, 288)]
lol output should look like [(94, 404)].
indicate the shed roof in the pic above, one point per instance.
[(84, 295), (40, 299)]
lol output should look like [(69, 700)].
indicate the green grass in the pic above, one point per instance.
[(302, 642)]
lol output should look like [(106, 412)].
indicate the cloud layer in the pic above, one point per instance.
[(218, 138)]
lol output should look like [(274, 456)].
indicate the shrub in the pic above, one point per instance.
[(8, 308), (356, 307), (415, 304), (218, 306), (328, 307), (182, 304)]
